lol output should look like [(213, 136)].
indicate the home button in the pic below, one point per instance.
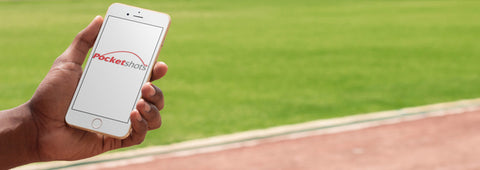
[(96, 123)]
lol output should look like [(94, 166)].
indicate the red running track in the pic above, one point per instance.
[(447, 142)]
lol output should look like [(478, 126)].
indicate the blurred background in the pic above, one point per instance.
[(250, 64)]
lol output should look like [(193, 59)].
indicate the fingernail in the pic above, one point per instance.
[(152, 90), (147, 107), (139, 118), (96, 18)]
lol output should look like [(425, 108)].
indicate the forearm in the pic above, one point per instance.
[(17, 137)]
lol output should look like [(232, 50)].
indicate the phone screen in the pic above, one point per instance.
[(117, 67)]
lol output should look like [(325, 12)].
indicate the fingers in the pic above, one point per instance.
[(139, 130), (146, 116), (159, 70), (84, 40), (153, 94), (150, 113), (150, 105)]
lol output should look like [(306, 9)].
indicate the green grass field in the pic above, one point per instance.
[(242, 65)]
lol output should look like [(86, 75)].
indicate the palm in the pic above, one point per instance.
[(49, 104)]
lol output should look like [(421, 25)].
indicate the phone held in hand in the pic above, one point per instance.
[(120, 62)]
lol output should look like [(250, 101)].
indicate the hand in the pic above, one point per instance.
[(47, 135)]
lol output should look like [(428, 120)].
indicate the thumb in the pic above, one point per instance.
[(84, 40)]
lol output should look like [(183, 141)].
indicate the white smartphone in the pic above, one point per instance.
[(120, 62)]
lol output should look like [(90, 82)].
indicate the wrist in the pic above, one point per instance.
[(18, 137)]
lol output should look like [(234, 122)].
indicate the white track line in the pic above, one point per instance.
[(254, 137)]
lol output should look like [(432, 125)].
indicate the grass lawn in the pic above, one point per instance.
[(242, 65)]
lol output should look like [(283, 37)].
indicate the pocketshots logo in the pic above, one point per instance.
[(118, 57)]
